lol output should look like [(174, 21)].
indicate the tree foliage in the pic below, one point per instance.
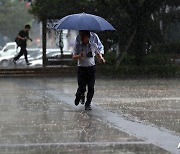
[(167, 14), (136, 21), (53, 9), (13, 16)]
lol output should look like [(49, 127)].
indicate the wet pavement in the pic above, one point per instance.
[(154, 101), (38, 116)]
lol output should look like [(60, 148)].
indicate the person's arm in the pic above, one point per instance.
[(77, 41), (76, 54), (21, 38), (99, 43), (29, 37), (99, 55), (100, 58)]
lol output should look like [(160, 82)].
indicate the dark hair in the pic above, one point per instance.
[(27, 26), (84, 32)]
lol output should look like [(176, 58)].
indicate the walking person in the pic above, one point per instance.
[(85, 52), (21, 41), (94, 39)]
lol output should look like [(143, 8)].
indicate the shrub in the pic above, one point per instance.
[(166, 48), (110, 58), (131, 70)]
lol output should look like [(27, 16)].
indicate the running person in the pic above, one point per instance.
[(94, 39), (85, 52), (21, 41)]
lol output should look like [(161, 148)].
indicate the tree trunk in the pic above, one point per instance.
[(121, 55), (44, 25)]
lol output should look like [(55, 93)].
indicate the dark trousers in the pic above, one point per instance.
[(86, 77), (23, 51)]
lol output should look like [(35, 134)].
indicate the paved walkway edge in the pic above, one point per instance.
[(161, 138)]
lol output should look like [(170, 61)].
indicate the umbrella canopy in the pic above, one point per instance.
[(83, 21)]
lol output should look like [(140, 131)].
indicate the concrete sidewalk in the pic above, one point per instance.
[(38, 116)]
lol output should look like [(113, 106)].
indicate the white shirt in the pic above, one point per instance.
[(95, 39), (90, 47)]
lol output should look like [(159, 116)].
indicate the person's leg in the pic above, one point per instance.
[(91, 83), (25, 55), (82, 100), (81, 84), (19, 55)]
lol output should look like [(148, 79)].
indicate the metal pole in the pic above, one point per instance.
[(44, 25)]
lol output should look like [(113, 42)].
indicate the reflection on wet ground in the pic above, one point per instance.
[(154, 101), (32, 121), (47, 120)]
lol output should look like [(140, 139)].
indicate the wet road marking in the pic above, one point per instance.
[(153, 135)]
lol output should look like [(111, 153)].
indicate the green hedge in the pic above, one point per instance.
[(166, 48), (149, 59), (151, 70)]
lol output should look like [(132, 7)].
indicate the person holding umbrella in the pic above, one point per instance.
[(86, 48), (95, 39), (85, 53)]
